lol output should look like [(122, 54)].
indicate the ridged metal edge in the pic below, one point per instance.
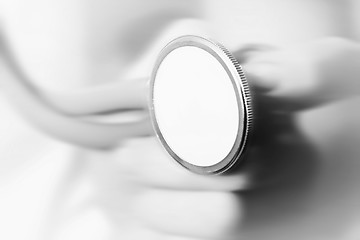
[(246, 93)]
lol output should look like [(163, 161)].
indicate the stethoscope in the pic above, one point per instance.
[(198, 99)]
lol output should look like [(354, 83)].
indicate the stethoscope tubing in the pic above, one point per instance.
[(61, 114)]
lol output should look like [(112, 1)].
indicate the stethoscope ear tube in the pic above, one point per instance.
[(62, 115)]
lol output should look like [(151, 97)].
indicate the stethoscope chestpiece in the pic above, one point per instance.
[(200, 105)]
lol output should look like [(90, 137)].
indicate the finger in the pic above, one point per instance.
[(304, 76), (253, 53), (287, 78), (177, 237), (214, 215), (262, 77), (144, 161), (243, 54), (118, 96)]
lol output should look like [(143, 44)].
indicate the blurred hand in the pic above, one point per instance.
[(300, 177), (306, 75)]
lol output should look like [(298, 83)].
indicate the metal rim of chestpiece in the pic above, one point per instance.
[(241, 89)]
